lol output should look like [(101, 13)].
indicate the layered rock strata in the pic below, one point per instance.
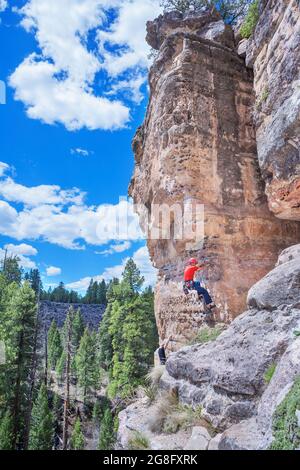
[(198, 144)]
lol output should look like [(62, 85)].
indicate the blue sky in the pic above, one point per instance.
[(75, 74)]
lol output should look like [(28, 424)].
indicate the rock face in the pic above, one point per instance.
[(274, 53), (227, 377), (49, 311), (198, 144)]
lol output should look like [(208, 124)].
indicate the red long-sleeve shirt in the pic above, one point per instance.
[(190, 272)]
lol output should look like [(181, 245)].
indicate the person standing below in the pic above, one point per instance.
[(190, 283), (162, 351)]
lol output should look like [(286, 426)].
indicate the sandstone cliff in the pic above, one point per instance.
[(228, 376), (274, 54), (198, 143)]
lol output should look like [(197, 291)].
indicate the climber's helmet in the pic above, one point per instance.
[(193, 262)]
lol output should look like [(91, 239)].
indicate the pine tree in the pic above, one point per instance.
[(34, 279), (11, 270), (132, 276), (89, 293), (42, 423), (77, 329), (77, 439), (102, 290), (22, 327), (148, 306), (137, 353), (54, 349), (86, 364), (118, 315), (104, 341), (132, 331), (107, 435), (6, 432)]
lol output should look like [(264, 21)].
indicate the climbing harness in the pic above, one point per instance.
[(188, 287)]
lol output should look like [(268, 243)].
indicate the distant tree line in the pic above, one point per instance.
[(95, 294)]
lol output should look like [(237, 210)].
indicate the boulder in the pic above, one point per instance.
[(226, 376), (199, 439)]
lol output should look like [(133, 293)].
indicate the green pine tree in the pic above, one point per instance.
[(77, 329), (6, 432), (77, 438), (11, 269), (132, 276), (86, 364), (107, 435), (34, 279), (21, 325), (42, 423), (54, 346)]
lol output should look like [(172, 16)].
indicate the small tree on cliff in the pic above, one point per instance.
[(230, 10)]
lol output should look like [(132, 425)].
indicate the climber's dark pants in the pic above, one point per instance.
[(202, 291)]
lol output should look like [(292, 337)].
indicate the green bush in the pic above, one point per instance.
[(285, 423), (138, 441), (250, 22), (269, 374), (207, 334)]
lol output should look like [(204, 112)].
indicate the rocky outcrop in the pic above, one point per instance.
[(57, 311), (198, 144), (274, 54), (230, 377)]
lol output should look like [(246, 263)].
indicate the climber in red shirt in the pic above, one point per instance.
[(190, 283)]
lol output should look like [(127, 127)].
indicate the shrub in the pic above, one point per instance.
[(170, 416), (263, 98), (269, 373), (207, 334), (138, 441), (285, 422), (250, 21), (182, 417), (150, 391), (155, 374), (230, 10)]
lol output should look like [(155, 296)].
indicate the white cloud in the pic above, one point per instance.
[(61, 85), (142, 260), (127, 33), (81, 152), (131, 87), (3, 5), (52, 271), (61, 217), (63, 101), (22, 249), (37, 195), (23, 252), (4, 167), (118, 248)]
